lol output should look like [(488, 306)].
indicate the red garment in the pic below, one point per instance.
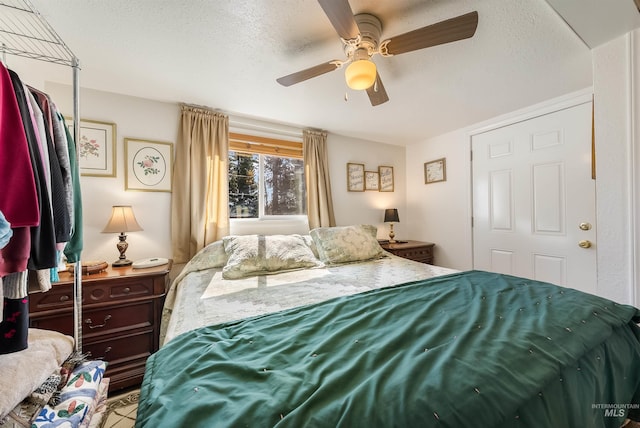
[(14, 256), (18, 198)]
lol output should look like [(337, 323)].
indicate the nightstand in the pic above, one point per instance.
[(121, 312), (412, 250)]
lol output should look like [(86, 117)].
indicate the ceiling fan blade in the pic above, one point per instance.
[(377, 93), (450, 30), (341, 16), (308, 73)]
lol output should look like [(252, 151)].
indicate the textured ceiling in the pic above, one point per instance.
[(227, 55)]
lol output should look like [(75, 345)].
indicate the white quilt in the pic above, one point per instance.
[(202, 297)]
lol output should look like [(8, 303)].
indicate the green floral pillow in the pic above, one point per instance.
[(251, 255), (346, 244)]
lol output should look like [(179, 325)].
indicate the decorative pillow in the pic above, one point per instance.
[(251, 255), (347, 243), (76, 398), (309, 241), (213, 255)]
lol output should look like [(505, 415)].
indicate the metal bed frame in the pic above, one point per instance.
[(26, 33)]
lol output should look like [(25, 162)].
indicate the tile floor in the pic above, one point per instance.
[(121, 410)]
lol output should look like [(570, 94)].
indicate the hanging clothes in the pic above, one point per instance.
[(18, 199), (5, 236), (40, 182), (73, 249), (43, 239), (58, 198)]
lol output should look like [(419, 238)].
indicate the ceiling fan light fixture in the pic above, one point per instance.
[(361, 74)]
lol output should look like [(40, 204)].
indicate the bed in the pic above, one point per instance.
[(331, 341)]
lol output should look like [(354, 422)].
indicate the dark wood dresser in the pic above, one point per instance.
[(121, 312), (413, 250)]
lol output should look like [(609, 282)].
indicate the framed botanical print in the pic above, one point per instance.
[(435, 171), (96, 147), (148, 165)]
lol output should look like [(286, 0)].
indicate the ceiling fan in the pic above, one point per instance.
[(360, 36)]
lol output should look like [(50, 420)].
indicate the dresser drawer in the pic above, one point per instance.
[(413, 250), (102, 321), (61, 296), (419, 255), (122, 349), (120, 320)]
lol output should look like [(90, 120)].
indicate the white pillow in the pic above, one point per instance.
[(251, 255), (347, 243)]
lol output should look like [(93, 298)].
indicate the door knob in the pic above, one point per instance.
[(584, 243), (585, 226)]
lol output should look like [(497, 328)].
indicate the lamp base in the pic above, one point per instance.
[(122, 263), (122, 248), (391, 234)]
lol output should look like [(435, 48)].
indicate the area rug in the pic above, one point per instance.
[(121, 410)]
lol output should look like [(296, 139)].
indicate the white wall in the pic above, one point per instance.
[(158, 121), (368, 207), (612, 71), (134, 118), (440, 212), (635, 144)]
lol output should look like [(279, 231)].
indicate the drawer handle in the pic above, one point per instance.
[(104, 323), (64, 298), (106, 351), (126, 290)]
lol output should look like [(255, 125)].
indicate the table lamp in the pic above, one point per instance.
[(122, 220), (391, 216)]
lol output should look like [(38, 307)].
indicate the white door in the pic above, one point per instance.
[(534, 199)]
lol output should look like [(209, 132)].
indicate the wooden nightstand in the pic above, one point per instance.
[(121, 313), (412, 250)]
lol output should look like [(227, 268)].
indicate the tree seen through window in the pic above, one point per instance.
[(277, 182)]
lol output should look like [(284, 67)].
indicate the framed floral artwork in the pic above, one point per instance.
[(148, 165), (96, 147)]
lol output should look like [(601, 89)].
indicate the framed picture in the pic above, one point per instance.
[(148, 165), (371, 180), (435, 171), (96, 147), (355, 177), (386, 178)]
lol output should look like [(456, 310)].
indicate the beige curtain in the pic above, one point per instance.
[(316, 170), (199, 204)]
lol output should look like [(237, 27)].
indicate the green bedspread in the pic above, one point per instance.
[(469, 349)]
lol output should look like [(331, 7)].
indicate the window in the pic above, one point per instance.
[(266, 177)]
